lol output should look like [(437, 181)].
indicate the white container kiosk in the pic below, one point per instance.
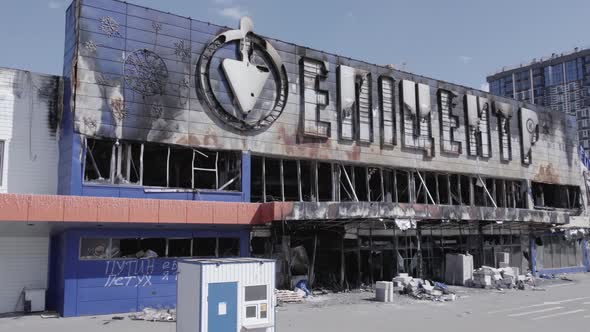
[(225, 295)]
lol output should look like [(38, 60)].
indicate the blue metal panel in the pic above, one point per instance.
[(220, 294), (100, 191), (106, 307), (123, 285), (585, 254)]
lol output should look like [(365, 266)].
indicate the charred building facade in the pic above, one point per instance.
[(352, 172)]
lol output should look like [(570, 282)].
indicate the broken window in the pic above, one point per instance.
[(179, 248), (375, 184), (156, 157), (180, 170), (228, 247), (128, 163), (290, 180), (205, 247), (555, 196), (97, 166), (360, 183), (465, 190), (229, 166), (257, 181), (273, 180), (479, 195), (420, 196), (125, 248), (95, 248), (402, 181), (325, 188), (1, 160), (389, 194), (152, 247), (347, 193), (431, 187), (443, 189), (307, 181)]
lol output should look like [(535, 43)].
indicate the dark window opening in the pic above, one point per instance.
[(307, 181), (402, 180), (256, 190), (180, 172), (229, 169), (155, 157), (443, 189), (179, 247), (129, 163), (465, 190), (97, 167), (360, 183), (325, 182), (95, 248), (388, 186), (346, 184), (555, 196), (519, 194), (290, 180), (478, 192), (500, 193), (229, 247), (419, 189), (375, 194), (432, 186), (205, 247), (272, 178), (125, 248), (150, 246)]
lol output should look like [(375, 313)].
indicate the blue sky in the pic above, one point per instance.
[(460, 41)]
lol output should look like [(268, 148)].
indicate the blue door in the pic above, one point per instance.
[(223, 307)]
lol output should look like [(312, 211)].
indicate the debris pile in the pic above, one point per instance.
[(155, 315), (422, 289), (288, 296), (504, 277)]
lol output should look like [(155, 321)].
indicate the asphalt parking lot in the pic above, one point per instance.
[(561, 305)]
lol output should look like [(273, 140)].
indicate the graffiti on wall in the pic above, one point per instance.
[(139, 272)]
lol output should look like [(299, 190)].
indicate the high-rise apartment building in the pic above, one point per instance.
[(560, 83)]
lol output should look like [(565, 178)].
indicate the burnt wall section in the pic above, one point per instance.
[(135, 80)]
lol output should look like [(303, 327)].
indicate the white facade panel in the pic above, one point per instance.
[(28, 122), (23, 264)]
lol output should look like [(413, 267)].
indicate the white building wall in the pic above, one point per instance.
[(28, 103), (23, 263)]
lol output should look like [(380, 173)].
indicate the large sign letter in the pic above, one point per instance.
[(529, 133), (314, 97), (504, 114), (416, 122), (386, 106), (449, 122), (477, 114), (354, 104)]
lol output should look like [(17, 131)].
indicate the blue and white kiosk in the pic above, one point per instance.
[(225, 295)]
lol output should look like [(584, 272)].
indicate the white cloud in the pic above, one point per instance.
[(233, 12), (465, 59), (485, 87)]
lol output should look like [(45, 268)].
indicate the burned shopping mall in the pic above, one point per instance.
[(352, 172)]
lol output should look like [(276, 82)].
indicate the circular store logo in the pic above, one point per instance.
[(530, 125), (248, 92)]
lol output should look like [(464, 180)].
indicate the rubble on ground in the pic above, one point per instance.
[(155, 315), (500, 278), (289, 296), (414, 287)]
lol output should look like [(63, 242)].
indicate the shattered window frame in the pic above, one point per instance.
[(127, 167)]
